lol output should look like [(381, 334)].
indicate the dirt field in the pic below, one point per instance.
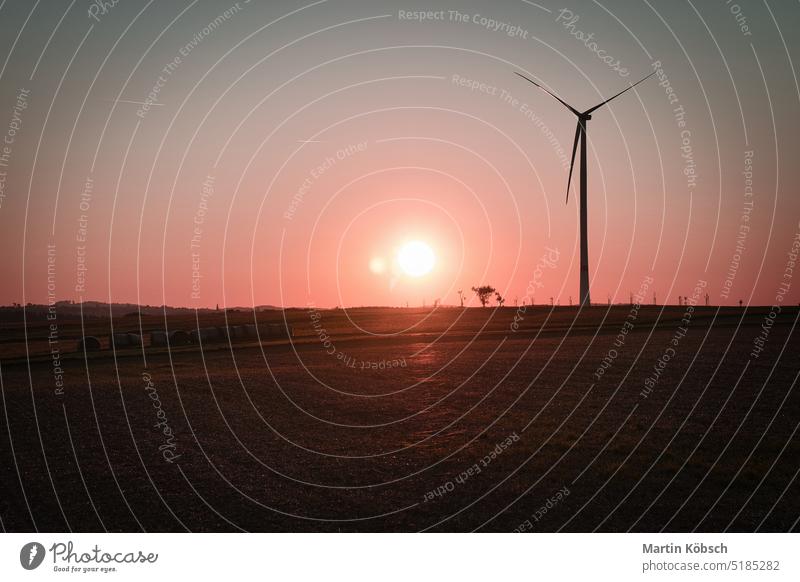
[(406, 420)]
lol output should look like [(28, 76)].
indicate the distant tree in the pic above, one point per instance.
[(461, 297), (484, 293), (500, 299)]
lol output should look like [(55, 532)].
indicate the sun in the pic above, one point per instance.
[(416, 258)]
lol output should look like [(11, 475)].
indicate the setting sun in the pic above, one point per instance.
[(416, 258)]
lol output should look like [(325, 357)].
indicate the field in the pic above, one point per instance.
[(407, 419)]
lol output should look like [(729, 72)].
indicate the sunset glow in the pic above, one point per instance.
[(393, 176)]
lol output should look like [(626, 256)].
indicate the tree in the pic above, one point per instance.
[(484, 293), (500, 299), (461, 297)]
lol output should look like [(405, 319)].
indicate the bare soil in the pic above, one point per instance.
[(406, 419)]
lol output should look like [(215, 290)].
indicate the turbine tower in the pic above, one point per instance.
[(580, 135)]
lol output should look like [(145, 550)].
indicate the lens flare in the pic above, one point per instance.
[(377, 265)]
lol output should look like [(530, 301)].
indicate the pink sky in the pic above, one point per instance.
[(469, 172)]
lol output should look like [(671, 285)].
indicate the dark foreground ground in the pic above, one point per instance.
[(446, 421)]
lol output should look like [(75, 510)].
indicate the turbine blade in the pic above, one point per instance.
[(588, 111), (572, 162), (564, 103)]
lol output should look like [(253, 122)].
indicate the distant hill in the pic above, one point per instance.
[(100, 309)]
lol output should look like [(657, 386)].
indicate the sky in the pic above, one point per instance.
[(269, 153)]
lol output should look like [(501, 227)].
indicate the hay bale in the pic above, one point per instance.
[(178, 337), (274, 330), (237, 332), (204, 335), (250, 330), (158, 338), (125, 339), (88, 343)]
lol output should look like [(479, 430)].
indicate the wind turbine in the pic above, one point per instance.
[(580, 135)]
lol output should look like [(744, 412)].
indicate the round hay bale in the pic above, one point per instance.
[(88, 343), (250, 330), (179, 337), (158, 338), (134, 339), (119, 340), (203, 335)]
